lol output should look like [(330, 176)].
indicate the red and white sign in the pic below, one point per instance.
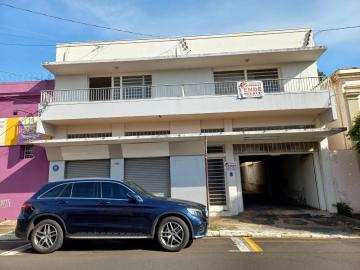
[(249, 89)]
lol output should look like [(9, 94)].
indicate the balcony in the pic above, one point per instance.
[(183, 99)]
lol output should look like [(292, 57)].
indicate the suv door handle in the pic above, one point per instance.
[(105, 203), (62, 202)]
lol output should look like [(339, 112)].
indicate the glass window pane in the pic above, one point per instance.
[(113, 191), (66, 192), (55, 192), (85, 190)]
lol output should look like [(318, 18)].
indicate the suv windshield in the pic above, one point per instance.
[(135, 187)]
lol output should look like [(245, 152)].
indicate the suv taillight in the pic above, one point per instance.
[(26, 206)]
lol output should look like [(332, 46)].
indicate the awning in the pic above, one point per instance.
[(284, 135)]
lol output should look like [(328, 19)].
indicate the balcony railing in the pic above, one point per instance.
[(271, 86)]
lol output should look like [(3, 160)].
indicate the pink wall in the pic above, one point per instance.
[(20, 178), (22, 96)]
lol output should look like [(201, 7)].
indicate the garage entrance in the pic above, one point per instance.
[(282, 179), (152, 174), (87, 168)]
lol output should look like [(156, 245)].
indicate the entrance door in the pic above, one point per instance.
[(216, 182)]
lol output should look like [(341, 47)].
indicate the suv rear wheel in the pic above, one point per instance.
[(173, 234), (47, 236)]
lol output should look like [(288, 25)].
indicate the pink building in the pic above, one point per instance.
[(23, 167)]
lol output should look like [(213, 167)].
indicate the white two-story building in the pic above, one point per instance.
[(169, 114)]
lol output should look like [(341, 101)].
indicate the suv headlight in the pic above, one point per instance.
[(195, 212)]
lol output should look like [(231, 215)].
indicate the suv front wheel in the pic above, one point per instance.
[(173, 234), (47, 236)]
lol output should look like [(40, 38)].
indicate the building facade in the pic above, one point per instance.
[(225, 120), (345, 160), (23, 166)]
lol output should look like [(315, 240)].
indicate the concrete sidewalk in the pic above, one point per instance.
[(7, 230), (286, 223)]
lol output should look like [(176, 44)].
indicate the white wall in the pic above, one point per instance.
[(56, 170), (345, 168), (117, 169), (71, 82), (188, 180), (299, 70)]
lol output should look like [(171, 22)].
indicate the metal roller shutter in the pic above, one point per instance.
[(87, 168), (152, 174)]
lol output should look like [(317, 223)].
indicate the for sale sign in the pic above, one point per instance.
[(250, 89)]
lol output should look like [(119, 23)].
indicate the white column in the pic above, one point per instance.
[(56, 170), (319, 182), (326, 169), (231, 181), (117, 168)]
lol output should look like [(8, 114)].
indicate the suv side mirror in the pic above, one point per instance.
[(134, 197)]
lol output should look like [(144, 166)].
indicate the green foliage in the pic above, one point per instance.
[(354, 133), (343, 209), (322, 75)]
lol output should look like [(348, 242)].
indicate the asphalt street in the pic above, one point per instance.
[(209, 253)]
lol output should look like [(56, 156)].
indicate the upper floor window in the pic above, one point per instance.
[(89, 135), (226, 81), (100, 88), (132, 87), (26, 151), (122, 87), (269, 77), (147, 132)]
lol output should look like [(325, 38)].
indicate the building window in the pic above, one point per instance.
[(226, 81), (215, 149), (244, 129), (132, 87), (26, 151), (148, 132), (89, 135), (212, 130), (269, 77)]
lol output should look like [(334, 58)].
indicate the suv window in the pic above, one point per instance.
[(56, 191), (85, 190), (113, 191)]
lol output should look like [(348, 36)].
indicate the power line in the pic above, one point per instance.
[(337, 29), (80, 22)]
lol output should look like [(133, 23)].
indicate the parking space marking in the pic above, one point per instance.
[(16, 250), (245, 244), (239, 243), (255, 247)]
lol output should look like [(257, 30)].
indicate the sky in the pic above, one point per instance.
[(167, 18)]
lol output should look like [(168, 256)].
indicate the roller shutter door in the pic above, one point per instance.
[(152, 174), (87, 168)]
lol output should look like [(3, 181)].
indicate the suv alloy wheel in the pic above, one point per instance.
[(47, 236), (173, 234)]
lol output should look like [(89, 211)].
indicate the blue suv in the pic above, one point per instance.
[(107, 209)]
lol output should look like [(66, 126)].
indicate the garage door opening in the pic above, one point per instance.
[(279, 180)]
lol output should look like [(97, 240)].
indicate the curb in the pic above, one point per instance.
[(8, 236), (287, 235), (231, 233)]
